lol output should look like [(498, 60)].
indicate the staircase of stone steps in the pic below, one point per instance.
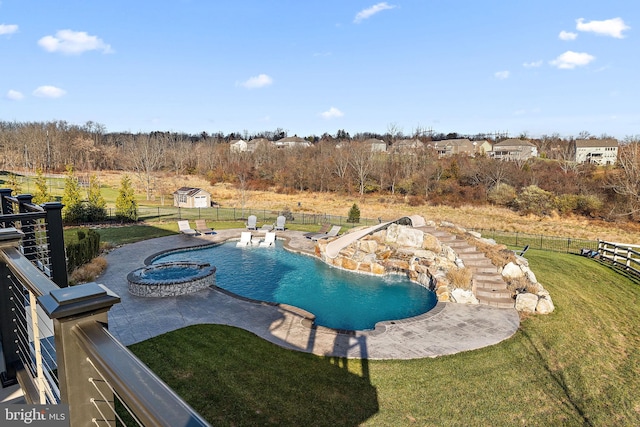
[(489, 286)]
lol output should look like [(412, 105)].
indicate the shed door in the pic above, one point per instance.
[(200, 202)]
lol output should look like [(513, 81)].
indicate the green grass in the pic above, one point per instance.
[(577, 366)]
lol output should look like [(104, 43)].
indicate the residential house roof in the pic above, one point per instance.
[(588, 143), (513, 142)]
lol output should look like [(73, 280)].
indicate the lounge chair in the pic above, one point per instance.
[(185, 228), (331, 233), (201, 227), (245, 239), (269, 240), (252, 222), (280, 223), (323, 230)]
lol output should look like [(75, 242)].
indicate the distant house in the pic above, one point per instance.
[(407, 145), (238, 145), (190, 197), (449, 147), (596, 151), (292, 141), (377, 145), (514, 149), (483, 147)]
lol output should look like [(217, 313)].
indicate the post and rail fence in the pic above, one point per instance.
[(621, 255), (54, 339)]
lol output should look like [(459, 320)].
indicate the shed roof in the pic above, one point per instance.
[(190, 191)]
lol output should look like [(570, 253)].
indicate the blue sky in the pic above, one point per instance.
[(309, 67)]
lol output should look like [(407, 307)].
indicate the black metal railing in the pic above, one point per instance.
[(539, 241), (55, 343)]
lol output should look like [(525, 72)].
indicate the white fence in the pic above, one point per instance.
[(621, 254)]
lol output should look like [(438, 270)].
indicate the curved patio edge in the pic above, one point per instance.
[(449, 328)]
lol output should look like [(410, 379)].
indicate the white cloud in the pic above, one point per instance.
[(14, 95), (567, 35), (570, 60), (73, 43), (534, 64), (49, 92), (501, 75), (261, 80), (332, 113), (609, 27), (8, 29), (369, 12)]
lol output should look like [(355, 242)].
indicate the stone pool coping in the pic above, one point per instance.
[(447, 329)]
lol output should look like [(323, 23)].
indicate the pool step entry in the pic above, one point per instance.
[(488, 285)]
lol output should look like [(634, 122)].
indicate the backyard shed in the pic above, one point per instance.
[(190, 197)]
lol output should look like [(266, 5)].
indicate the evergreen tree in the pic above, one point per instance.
[(126, 205), (96, 206), (41, 194), (73, 210), (13, 183), (354, 214)]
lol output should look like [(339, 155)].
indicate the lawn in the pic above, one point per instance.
[(578, 366)]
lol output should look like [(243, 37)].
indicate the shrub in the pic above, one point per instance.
[(354, 214), (566, 203), (88, 272), (460, 278), (502, 195), (82, 252), (535, 200), (415, 201), (588, 205)]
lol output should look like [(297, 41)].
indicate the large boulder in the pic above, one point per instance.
[(545, 305), (512, 271), (526, 302), (410, 237), (463, 297), (368, 246)]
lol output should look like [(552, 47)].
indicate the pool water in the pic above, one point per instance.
[(168, 274), (339, 299)]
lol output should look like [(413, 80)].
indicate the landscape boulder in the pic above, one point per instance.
[(526, 302)]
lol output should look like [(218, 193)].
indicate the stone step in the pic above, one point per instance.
[(489, 276), (477, 261), (482, 269), (492, 293), (471, 254), (498, 302)]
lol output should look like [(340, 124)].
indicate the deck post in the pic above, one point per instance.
[(81, 386)]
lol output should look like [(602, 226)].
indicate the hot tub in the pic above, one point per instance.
[(171, 279)]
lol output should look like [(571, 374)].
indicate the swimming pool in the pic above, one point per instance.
[(339, 299)]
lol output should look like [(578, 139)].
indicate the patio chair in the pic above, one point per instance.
[(331, 233), (245, 239), (252, 222), (323, 230), (269, 240), (201, 227), (280, 223), (185, 228)]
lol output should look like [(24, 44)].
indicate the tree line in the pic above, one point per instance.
[(340, 163)]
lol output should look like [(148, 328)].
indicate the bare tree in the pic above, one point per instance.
[(146, 154), (361, 161), (625, 180)]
